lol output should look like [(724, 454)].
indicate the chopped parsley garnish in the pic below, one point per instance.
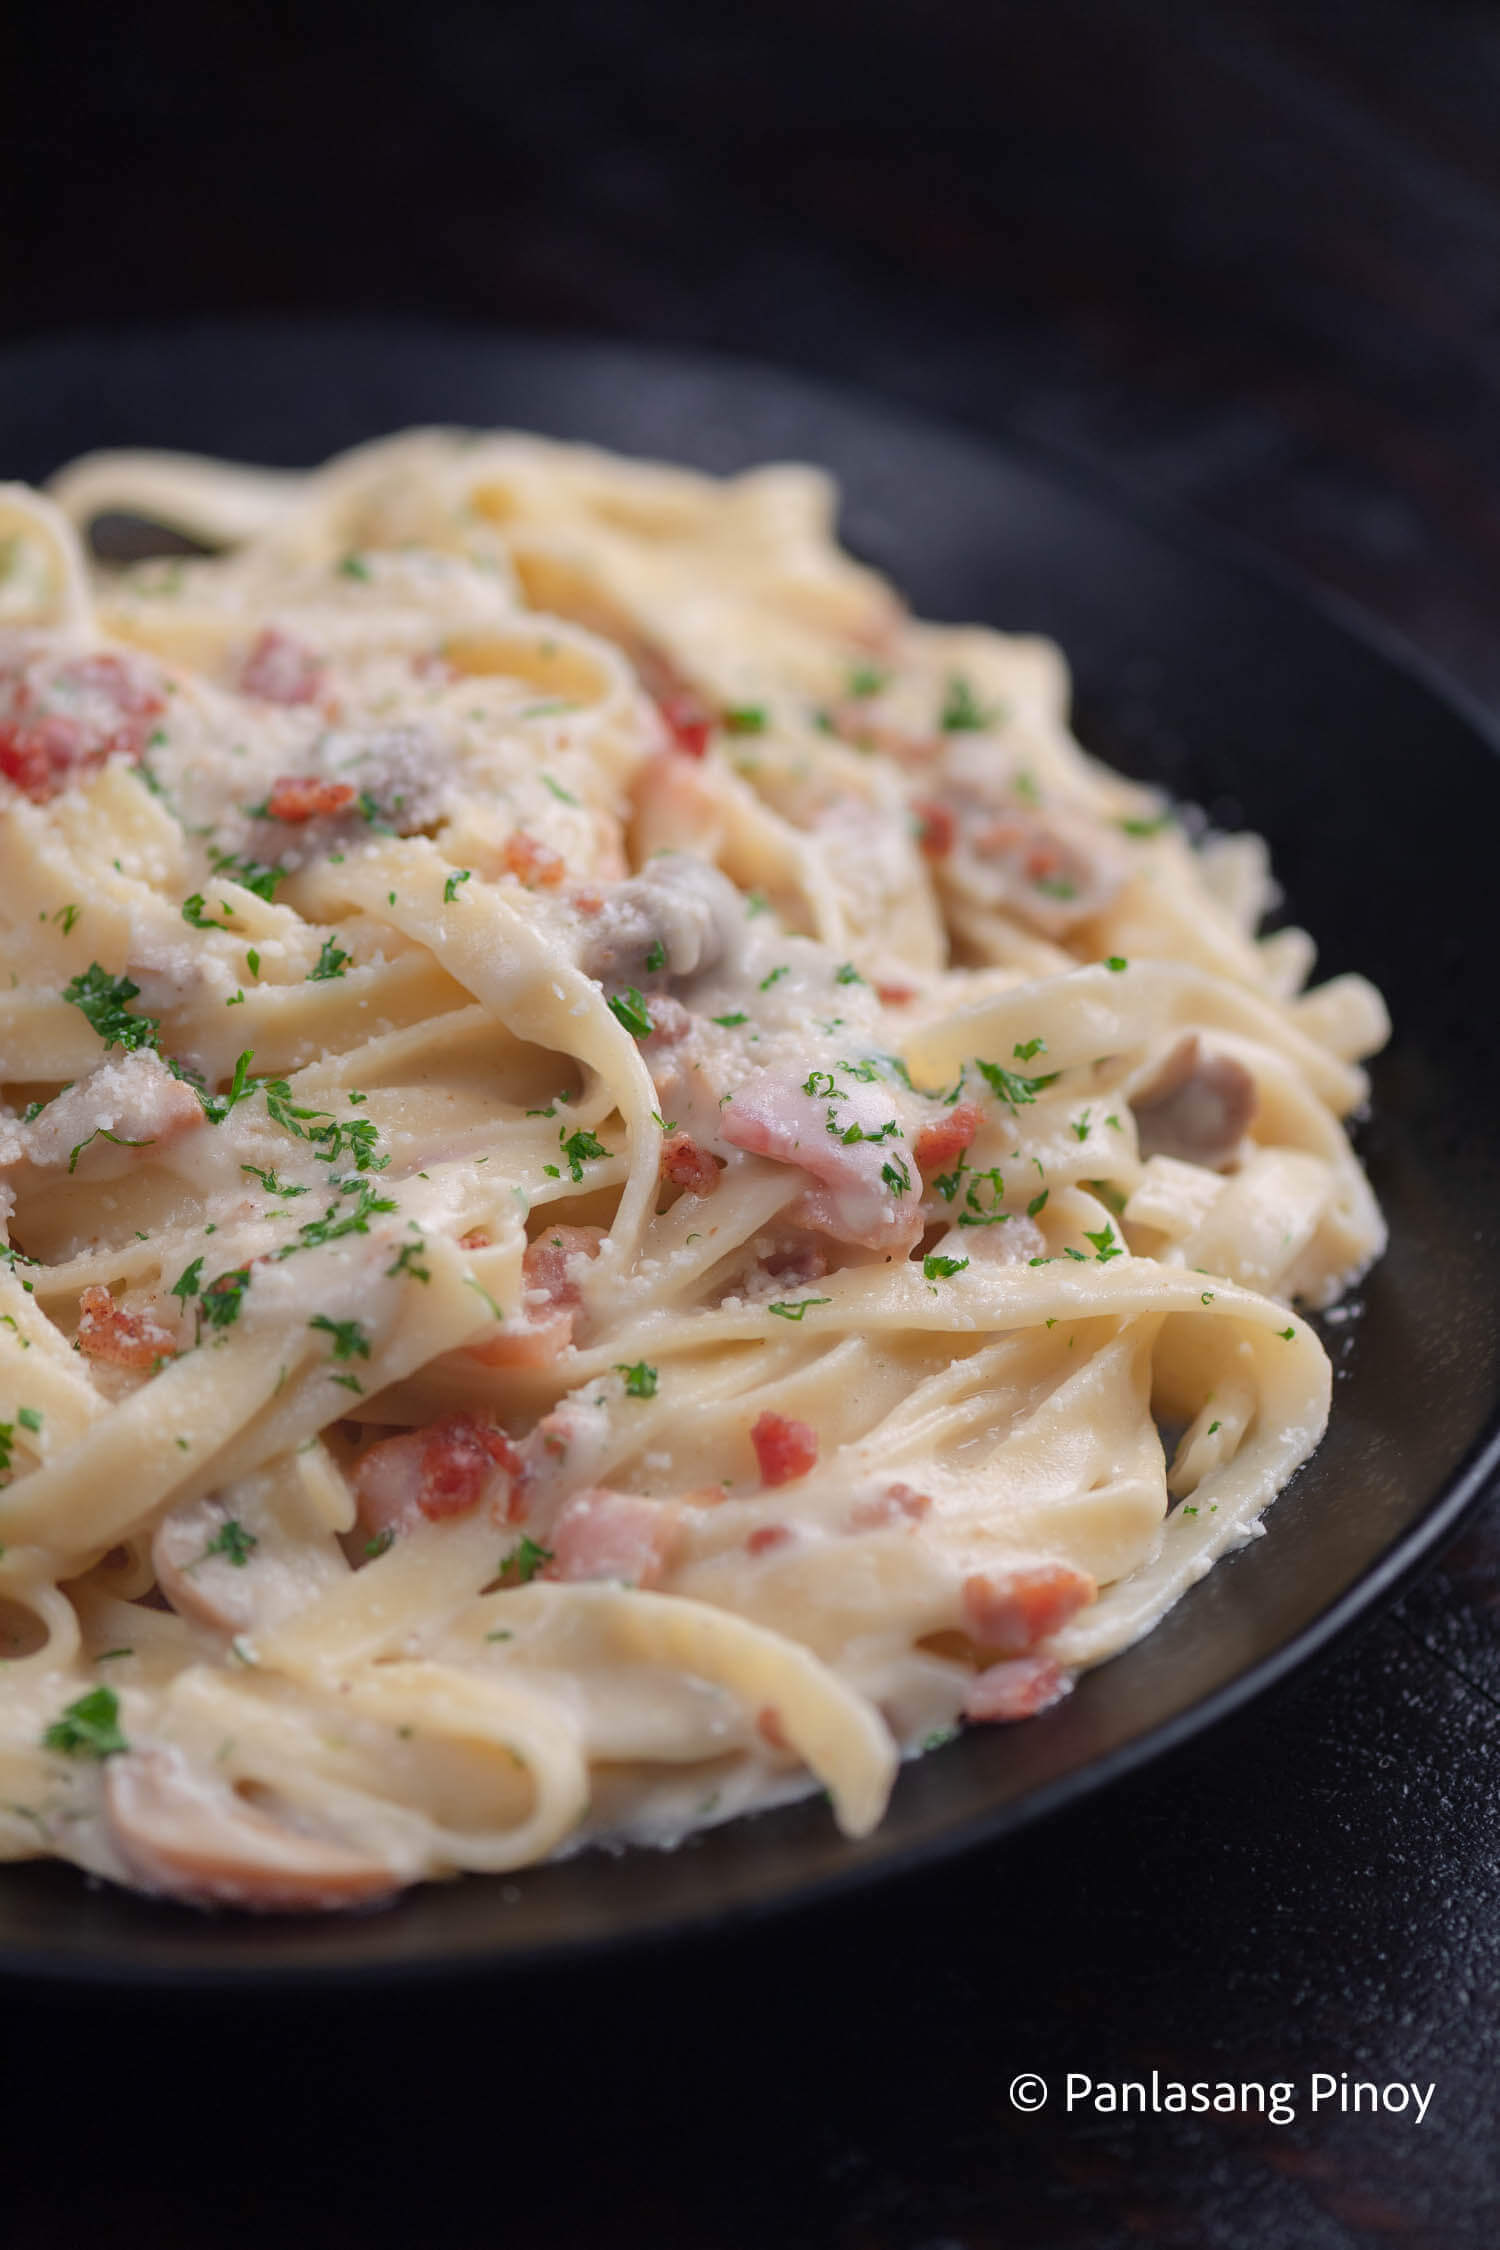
[(332, 1137), (961, 714), (783, 969), (640, 1378), (579, 1149), (794, 1308), (349, 1338), (67, 915), (89, 1728), (406, 1262), (525, 1559), (1024, 1049), (1147, 827), (1117, 961), (380, 1545), (976, 1212), (1012, 1088), (29, 1417), (233, 1542), (657, 957), (1056, 886), (187, 1283), (819, 1083), (194, 915), (103, 999), (251, 874), (745, 718), (947, 1183), (1286, 1334), (216, 1107), (220, 1301), (450, 887), (1037, 1204), (564, 796), (736, 1016), (332, 961), (1212, 1427), (336, 1222), (846, 973), (354, 566), (867, 679), (102, 1133), (252, 961), (271, 1184), (630, 1010), (895, 1175), (1105, 1245), (936, 1268)]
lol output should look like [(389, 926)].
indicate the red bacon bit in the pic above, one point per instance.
[(768, 1535), (895, 995), (537, 1344), (770, 1729), (280, 669), (532, 862), (57, 722), (688, 719), (545, 1265), (118, 1338), (607, 1534), (899, 1503), (304, 797), (937, 829), (589, 902), (688, 1166), (1017, 1689), (946, 1137), (1012, 1610), (670, 1021), (785, 1450), (434, 1472)]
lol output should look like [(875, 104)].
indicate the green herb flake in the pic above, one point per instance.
[(640, 1378), (450, 887), (961, 713), (103, 1000), (846, 973), (525, 1559), (332, 961), (1116, 962), (629, 1009), (89, 1728), (795, 1308), (233, 1542), (745, 718), (936, 1268), (736, 1016), (1105, 1245), (349, 1338), (582, 1148)]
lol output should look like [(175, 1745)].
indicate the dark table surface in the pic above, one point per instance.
[(1246, 256)]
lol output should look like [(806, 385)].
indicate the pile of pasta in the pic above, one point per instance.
[(631, 1187)]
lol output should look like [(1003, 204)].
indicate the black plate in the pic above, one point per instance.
[(1381, 798)]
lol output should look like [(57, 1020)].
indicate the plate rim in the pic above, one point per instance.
[(1360, 1605)]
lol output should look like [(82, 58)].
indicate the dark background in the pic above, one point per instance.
[(1243, 257)]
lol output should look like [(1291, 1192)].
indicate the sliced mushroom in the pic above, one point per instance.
[(1197, 1106), (193, 1554), (189, 1836), (678, 919)]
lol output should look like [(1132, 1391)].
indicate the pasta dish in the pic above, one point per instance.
[(630, 1187)]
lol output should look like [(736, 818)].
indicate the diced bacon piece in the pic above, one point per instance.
[(1196, 1107), (894, 995), (118, 1338), (187, 1835), (784, 1449), (770, 1729), (59, 718), (899, 1503), (549, 1265), (1054, 869), (946, 1137), (767, 1536), (936, 827), (866, 1202), (1017, 1689), (441, 1470), (1011, 1610), (133, 1097), (688, 720), (296, 797), (533, 1345), (281, 669), (532, 862), (606, 1534), (688, 1166), (670, 1021), (854, 721)]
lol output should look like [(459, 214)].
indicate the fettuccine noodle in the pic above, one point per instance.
[(632, 1187)]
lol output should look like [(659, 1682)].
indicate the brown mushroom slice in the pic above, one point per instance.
[(188, 1836), (1197, 1106)]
